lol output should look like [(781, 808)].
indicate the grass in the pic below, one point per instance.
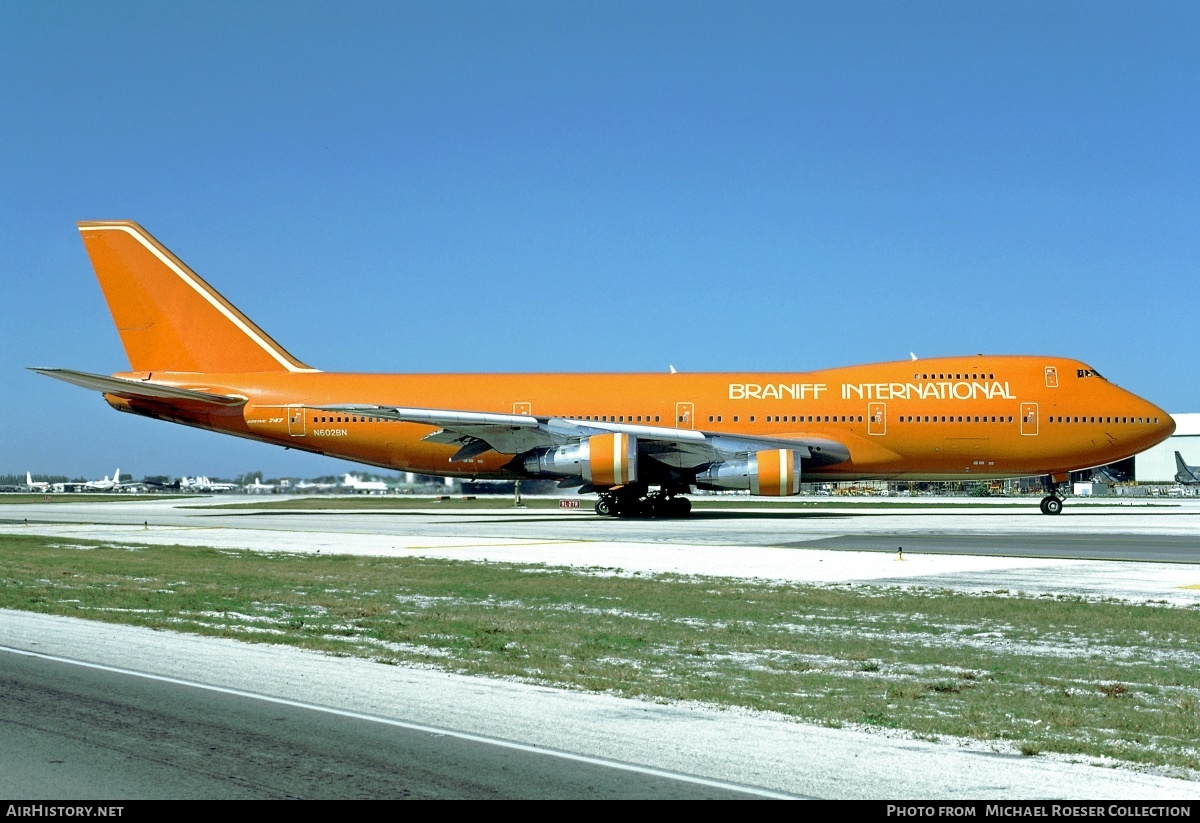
[(94, 497), (1043, 675)]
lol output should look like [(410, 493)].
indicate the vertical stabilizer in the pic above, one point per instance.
[(169, 319), (1185, 473)]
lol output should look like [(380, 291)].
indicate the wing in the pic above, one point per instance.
[(139, 389), (682, 453)]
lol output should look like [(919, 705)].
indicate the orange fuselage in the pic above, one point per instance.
[(947, 418)]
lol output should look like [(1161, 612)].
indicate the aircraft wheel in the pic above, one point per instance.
[(673, 507), (635, 508), (605, 507), (1051, 505)]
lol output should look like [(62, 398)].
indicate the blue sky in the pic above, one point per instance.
[(598, 186)]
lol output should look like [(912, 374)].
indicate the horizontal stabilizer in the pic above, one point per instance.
[(139, 389)]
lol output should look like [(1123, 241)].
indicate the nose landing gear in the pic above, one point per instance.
[(1052, 503)]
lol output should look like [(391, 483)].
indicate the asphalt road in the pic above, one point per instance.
[(81, 732)]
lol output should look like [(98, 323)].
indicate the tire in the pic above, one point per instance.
[(673, 507), (635, 508), (1052, 505), (605, 508)]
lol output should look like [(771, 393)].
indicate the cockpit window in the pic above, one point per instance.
[(1088, 373)]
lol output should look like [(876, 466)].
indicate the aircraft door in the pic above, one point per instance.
[(522, 408), (1051, 377), (685, 414), (876, 418), (1029, 418), (296, 421)]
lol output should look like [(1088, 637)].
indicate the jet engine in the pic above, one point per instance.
[(771, 473), (602, 460)]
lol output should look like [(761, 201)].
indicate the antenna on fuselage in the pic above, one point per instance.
[(913, 356)]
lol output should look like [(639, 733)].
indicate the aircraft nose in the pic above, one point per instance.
[(1162, 425), (1166, 426)]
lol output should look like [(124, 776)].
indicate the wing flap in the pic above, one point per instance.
[(505, 433), (446, 418)]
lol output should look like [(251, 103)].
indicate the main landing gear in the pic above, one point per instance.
[(627, 502)]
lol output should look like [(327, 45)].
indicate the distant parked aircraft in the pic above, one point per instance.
[(1189, 475), (353, 484), (203, 484), (313, 486), (39, 486), (107, 485), (1109, 475), (258, 487)]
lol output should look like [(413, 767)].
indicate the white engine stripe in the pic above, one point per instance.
[(618, 456)]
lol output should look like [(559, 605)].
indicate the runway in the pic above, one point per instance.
[(1136, 552), (1150, 553)]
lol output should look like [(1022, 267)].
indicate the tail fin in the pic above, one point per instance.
[(116, 477), (168, 318)]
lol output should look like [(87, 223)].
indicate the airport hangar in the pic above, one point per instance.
[(1157, 464)]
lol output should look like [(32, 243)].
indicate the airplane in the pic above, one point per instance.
[(640, 442), (39, 486), (107, 485), (356, 485), (1187, 475), (203, 484), (258, 487), (1109, 475), (313, 486)]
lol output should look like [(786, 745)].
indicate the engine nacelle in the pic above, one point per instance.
[(602, 460), (771, 473)]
